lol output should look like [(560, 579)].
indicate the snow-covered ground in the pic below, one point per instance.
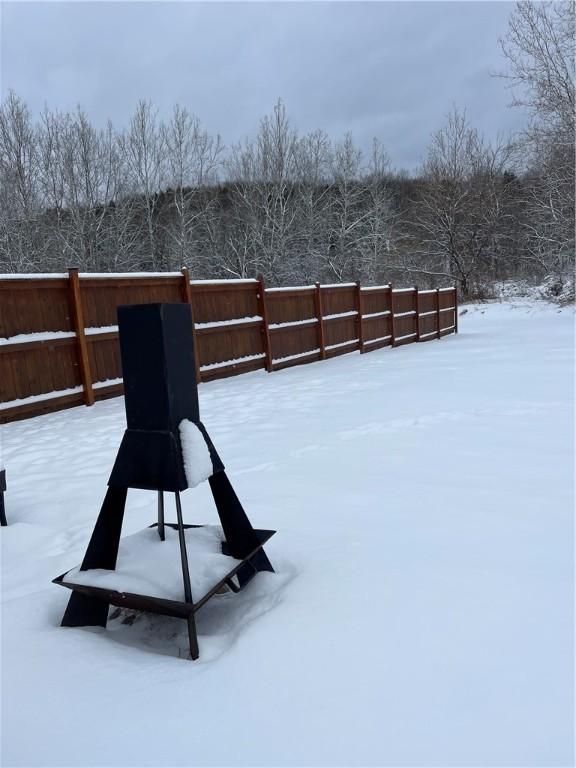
[(422, 609)]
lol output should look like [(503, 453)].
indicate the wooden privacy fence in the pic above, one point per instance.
[(59, 338)]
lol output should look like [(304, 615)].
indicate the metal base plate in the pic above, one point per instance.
[(158, 605)]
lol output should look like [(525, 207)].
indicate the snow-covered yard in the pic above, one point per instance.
[(422, 609)]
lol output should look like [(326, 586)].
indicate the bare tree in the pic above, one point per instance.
[(458, 216), (193, 157), (314, 190), (340, 256), (19, 198), (539, 49), (376, 240), (262, 176)]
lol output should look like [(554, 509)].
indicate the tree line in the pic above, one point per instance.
[(160, 194)]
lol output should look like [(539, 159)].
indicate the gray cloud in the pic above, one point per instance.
[(386, 69)]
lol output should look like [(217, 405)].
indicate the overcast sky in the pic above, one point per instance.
[(386, 69)]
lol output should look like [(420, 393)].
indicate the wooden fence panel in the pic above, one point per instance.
[(290, 343), (32, 305), (447, 310), (374, 301), (427, 301), (406, 330), (104, 354), (403, 301), (338, 299), (216, 302), (238, 327), (377, 330), (288, 306), (340, 330), (102, 296), (38, 368), (230, 342), (428, 326)]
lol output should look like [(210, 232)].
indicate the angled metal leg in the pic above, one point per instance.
[(3, 520), (102, 552), (192, 636), (240, 535), (161, 531)]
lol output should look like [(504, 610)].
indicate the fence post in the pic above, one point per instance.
[(187, 298), (265, 329), (455, 308), (320, 316), (359, 317), (82, 346), (437, 313), (392, 327), (417, 300)]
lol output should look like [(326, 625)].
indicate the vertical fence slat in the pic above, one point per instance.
[(417, 307), (438, 313), (266, 343), (392, 324), (81, 345), (359, 307), (187, 297), (320, 316)]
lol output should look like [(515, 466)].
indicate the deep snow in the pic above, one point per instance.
[(422, 609)]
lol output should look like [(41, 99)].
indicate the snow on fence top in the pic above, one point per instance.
[(375, 287), (222, 323), (225, 281), (101, 329), (126, 275), (292, 288), (340, 314), (338, 285), (33, 276), (23, 338)]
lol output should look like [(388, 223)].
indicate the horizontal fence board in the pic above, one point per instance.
[(350, 346), (28, 410), (234, 369), (310, 357), (43, 374), (378, 343)]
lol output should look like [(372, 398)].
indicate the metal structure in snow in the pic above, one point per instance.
[(160, 391)]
